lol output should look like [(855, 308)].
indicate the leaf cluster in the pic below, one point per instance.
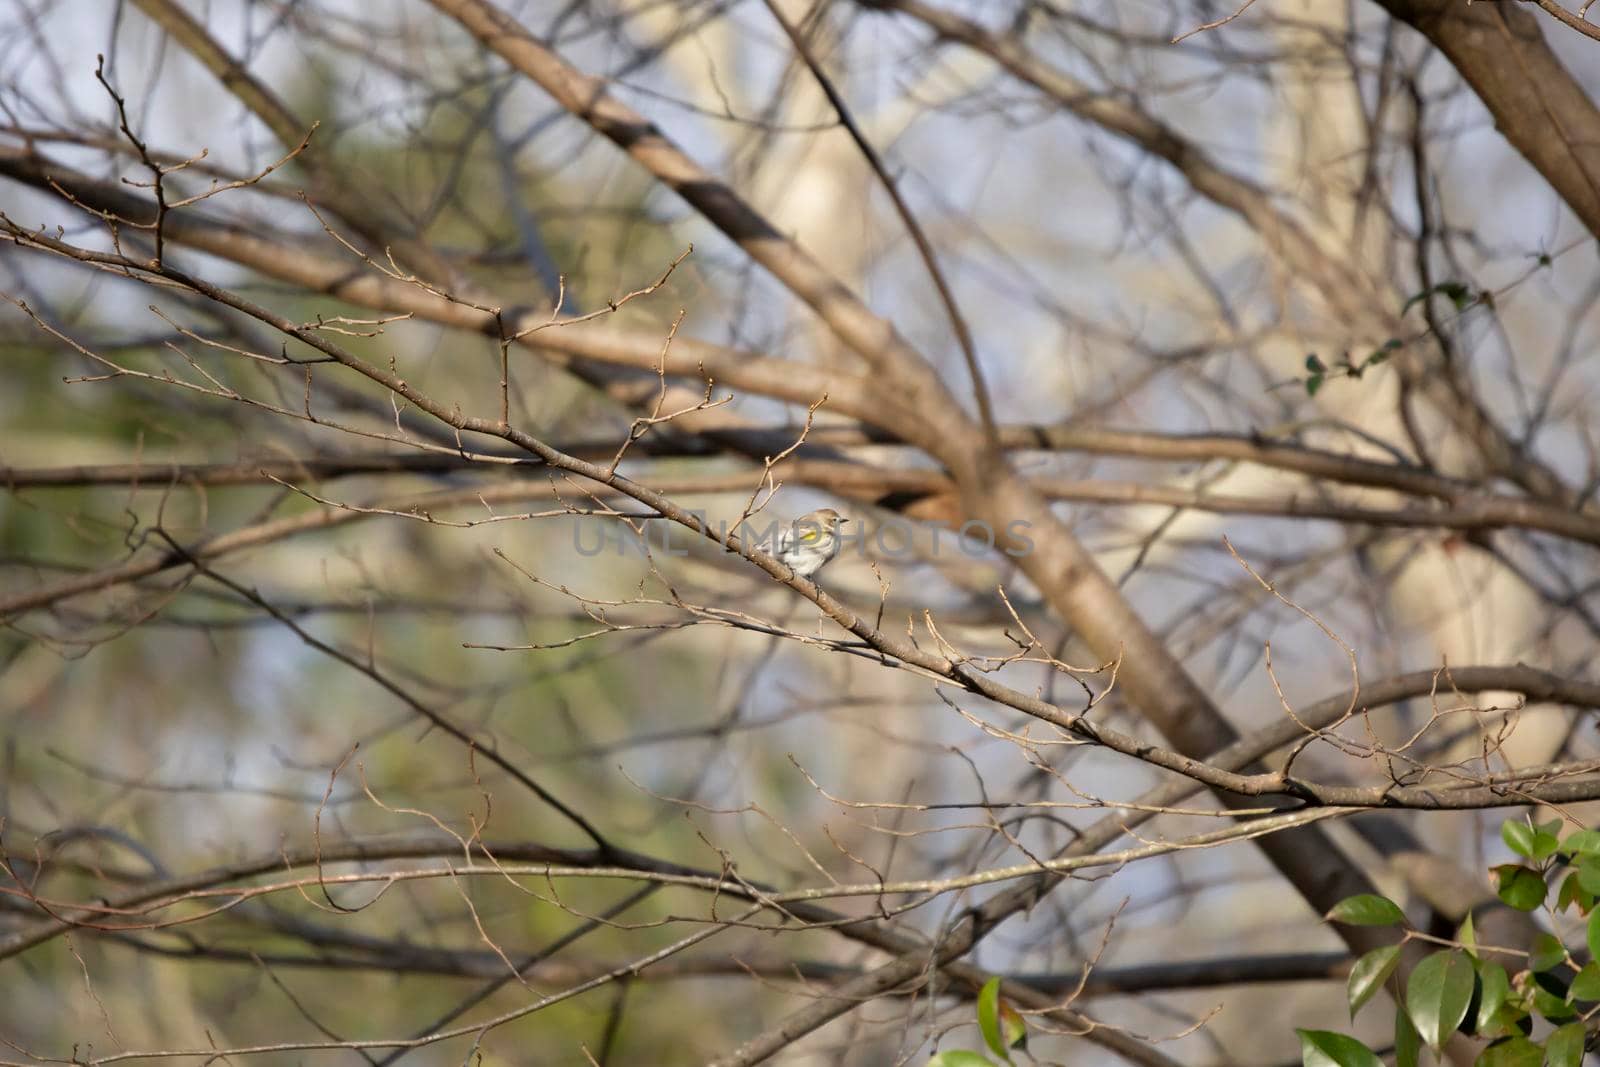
[(1002, 1027), (1463, 988)]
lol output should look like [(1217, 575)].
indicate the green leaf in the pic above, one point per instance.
[(1553, 827), (1534, 843), (1550, 996), (1324, 1048), (1569, 891), (1366, 909), (1438, 993), (1369, 974), (1493, 989), (960, 1057), (1593, 934), (1313, 383), (1380, 356), (1518, 837), (1585, 841), (1515, 1051), (1564, 1048), (989, 1018), (1407, 1042), (1589, 873), (1460, 295), (1586, 899), (1586, 983), (1467, 936), (1520, 887), (1314, 364), (1509, 1021), (1547, 952)]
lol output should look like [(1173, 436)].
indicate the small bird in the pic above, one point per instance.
[(811, 541)]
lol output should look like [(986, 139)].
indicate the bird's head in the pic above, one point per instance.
[(814, 526)]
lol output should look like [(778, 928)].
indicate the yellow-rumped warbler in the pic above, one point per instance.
[(811, 541)]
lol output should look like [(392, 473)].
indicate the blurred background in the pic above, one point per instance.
[(264, 622)]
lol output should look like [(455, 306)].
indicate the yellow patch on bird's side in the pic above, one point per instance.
[(810, 535)]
